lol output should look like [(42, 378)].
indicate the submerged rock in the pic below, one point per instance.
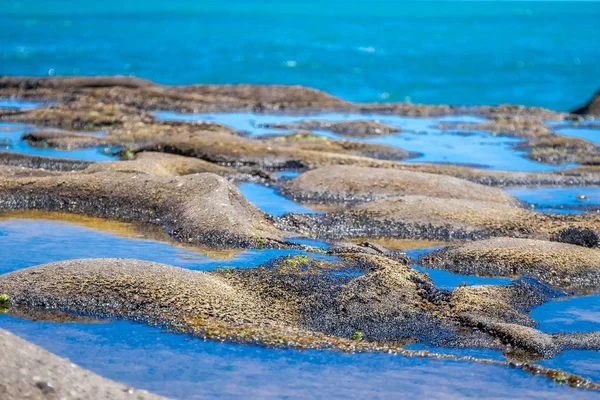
[(307, 141), (359, 184), (30, 372), (558, 264), (516, 126), (201, 208), (360, 129)]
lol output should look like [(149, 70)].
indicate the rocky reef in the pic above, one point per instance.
[(352, 295)]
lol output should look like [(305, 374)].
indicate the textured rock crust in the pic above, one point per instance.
[(359, 184), (201, 208), (434, 218), (32, 373), (558, 264)]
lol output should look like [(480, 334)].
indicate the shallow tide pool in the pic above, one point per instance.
[(10, 140), (419, 135), (564, 200), (188, 368)]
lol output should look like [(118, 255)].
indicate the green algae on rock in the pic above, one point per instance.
[(28, 371), (558, 264)]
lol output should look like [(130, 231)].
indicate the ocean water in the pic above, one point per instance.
[(457, 52)]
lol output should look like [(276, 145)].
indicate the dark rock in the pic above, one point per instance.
[(579, 236)]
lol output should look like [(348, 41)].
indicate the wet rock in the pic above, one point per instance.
[(506, 125), (362, 303), (87, 115), (430, 218), (360, 129), (17, 172), (233, 150), (42, 163), (201, 208), (585, 237), (62, 140), (592, 107), (30, 372), (292, 301), (558, 264), (162, 164), (306, 141), (145, 95), (359, 184), (557, 149), (416, 217)]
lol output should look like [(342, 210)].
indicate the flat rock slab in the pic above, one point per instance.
[(32, 373)]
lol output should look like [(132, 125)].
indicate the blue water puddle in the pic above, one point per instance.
[(10, 140), (448, 280), (419, 135), (573, 314), (559, 200), (478, 353), (582, 132), (287, 174), (269, 201), (19, 104), (310, 242), (28, 242), (585, 362), (188, 368)]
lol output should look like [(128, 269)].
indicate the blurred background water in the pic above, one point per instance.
[(455, 52)]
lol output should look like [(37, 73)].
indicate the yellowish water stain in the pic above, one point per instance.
[(126, 230)]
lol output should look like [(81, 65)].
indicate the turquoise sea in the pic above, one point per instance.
[(458, 52)]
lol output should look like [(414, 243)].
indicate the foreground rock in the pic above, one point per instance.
[(201, 209), (30, 372), (558, 264), (359, 129), (297, 302), (359, 184), (422, 217)]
